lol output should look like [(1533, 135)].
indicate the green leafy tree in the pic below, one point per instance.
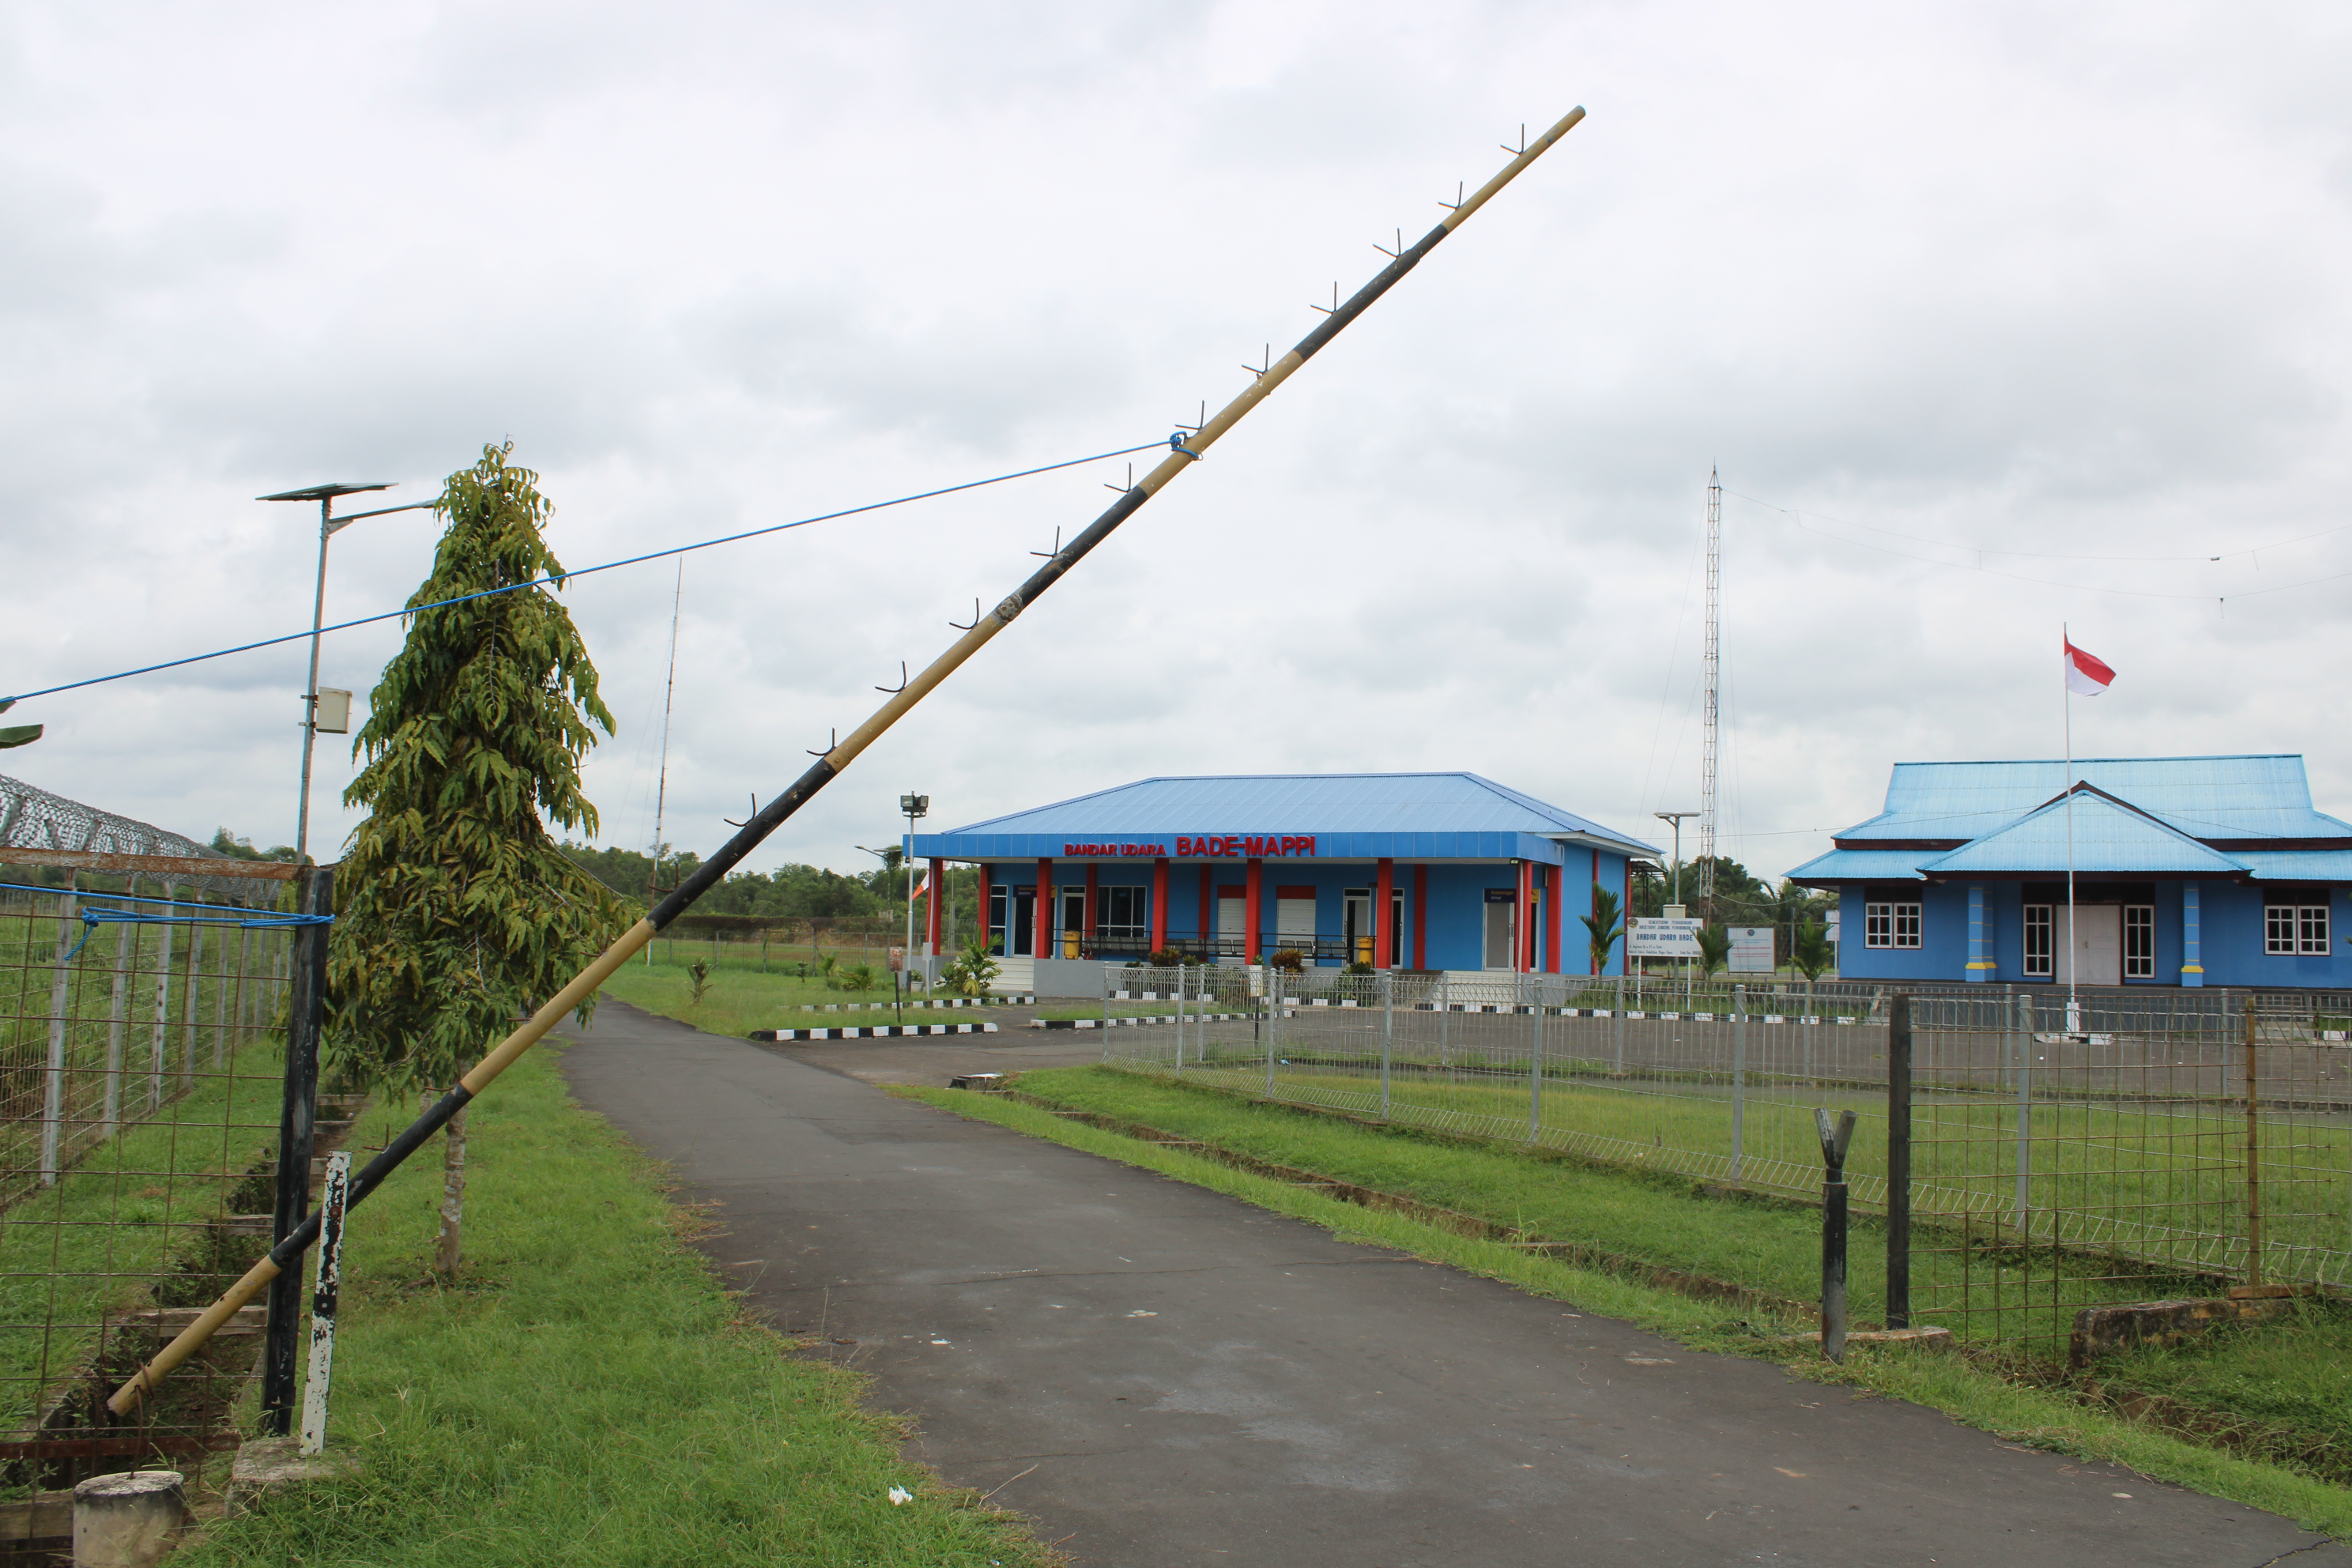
[(1601, 927), (1714, 950), (455, 911)]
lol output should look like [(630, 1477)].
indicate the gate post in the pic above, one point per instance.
[(314, 894), (1898, 1161)]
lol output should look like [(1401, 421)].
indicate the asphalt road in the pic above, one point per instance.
[(1157, 1374)]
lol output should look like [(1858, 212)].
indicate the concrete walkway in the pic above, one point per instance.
[(1157, 1374)]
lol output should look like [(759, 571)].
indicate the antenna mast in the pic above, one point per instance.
[(1713, 676), (661, 787)]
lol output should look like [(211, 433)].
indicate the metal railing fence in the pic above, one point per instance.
[(2141, 1146)]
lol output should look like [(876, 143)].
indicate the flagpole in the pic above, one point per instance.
[(2074, 953)]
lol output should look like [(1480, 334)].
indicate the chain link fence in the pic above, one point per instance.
[(2141, 1145)]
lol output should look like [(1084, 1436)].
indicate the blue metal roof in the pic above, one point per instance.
[(2206, 797), (1863, 865), (1446, 815), (2107, 838), (2009, 818)]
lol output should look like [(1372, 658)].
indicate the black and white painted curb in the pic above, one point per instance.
[(874, 1032), (893, 1006), (1115, 1023)]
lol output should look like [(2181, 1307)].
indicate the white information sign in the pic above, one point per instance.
[(1658, 936), (1751, 949)]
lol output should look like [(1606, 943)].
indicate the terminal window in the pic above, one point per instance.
[(2139, 942), (2294, 928), (1890, 925), (1124, 918), (2041, 940)]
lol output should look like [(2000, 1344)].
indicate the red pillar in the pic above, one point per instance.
[(1421, 917), (1086, 920), (1209, 909), (1554, 876), (1041, 942), (1383, 894), (936, 905), (1624, 904), (1160, 904), (1523, 913), (1253, 905), (986, 893)]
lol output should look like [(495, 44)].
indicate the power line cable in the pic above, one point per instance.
[(585, 571)]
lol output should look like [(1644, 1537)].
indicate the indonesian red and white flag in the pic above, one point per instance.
[(2087, 674)]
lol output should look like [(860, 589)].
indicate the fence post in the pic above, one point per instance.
[(1535, 1057), (1617, 1027), (118, 1012), (306, 1012), (1738, 1078), (1270, 1000), (2022, 1022), (1102, 989), (160, 1047), (1387, 1032), (53, 1091), (327, 1286), (2254, 1155), (1899, 1160), (1180, 988), (1834, 1141)]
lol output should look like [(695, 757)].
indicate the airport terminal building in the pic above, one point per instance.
[(1470, 875), (2187, 871)]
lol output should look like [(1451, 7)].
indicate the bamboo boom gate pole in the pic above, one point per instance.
[(1183, 452)]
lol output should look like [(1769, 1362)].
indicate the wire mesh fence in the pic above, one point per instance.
[(141, 1087), (2141, 1145)]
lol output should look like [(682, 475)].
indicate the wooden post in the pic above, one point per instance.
[(314, 895)]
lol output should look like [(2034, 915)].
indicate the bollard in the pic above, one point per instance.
[(127, 1521), (1835, 1141)]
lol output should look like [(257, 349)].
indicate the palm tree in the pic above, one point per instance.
[(1602, 927)]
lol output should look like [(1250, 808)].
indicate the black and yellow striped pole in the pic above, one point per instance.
[(1185, 451)]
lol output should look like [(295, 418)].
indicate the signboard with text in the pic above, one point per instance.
[(1660, 936), (1751, 951)]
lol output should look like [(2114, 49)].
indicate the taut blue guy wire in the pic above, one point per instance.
[(582, 572)]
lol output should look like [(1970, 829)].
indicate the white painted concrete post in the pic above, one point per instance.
[(127, 1521), (328, 1285)]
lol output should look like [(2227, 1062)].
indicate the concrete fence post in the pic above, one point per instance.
[(1388, 1032), (128, 1521), (1738, 1080)]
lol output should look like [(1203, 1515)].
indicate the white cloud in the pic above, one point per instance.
[(2025, 281)]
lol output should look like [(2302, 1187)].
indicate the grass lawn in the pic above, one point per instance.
[(735, 1001), (2293, 1373), (1767, 1246), (585, 1391), (2025, 1416)]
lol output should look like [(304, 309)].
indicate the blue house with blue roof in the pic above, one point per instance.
[(1471, 875), (2186, 871)]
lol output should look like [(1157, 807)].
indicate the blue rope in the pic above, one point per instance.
[(582, 572), (217, 915)]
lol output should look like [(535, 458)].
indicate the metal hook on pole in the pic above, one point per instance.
[(889, 690), (832, 745), (1049, 554), (967, 626), (755, 808)]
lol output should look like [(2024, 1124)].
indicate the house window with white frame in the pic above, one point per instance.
[(2139, 942), (2041, 942), (2296, 928), (1890, 925)]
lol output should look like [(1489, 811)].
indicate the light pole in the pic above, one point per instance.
[(914, 807), (1675, 817), (328, 524)]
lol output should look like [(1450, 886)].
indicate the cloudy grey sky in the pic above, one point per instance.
[(1993, 317)]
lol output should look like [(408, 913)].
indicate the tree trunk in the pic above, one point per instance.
[(448, 1250)]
